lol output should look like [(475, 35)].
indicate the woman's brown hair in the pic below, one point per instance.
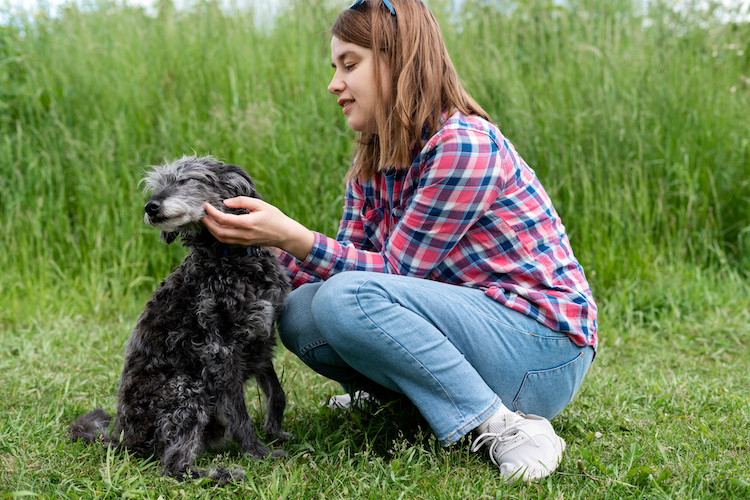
[(424, 81)]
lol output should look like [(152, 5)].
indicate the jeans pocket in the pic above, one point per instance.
[(547, 392)]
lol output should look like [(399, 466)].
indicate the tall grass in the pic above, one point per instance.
[(637, 123), (93, 96)]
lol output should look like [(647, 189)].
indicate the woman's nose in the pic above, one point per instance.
[(336, 85)]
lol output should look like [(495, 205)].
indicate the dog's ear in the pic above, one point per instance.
[(168, 237), (241, 183)]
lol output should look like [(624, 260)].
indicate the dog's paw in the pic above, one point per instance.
[(220, 475), (280, 435), (256, 450), (265, 453), (223, 475)]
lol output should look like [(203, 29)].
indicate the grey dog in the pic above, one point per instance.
[(206, 331)]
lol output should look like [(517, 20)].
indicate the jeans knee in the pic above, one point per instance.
[(331, 298), (335, 308), (295, 323), (289, 337)]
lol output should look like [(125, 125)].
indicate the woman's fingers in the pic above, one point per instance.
[(251, 204), (265, 225), (227, 228), (225, 234), (243, 229)]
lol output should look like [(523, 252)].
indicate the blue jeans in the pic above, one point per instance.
[(452, 350)]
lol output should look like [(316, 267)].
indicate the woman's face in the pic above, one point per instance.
[(354, 84)]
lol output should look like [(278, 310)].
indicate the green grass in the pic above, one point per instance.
[(636, 123), (664, 413)]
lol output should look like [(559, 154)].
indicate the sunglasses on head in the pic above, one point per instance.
[(388, 5)]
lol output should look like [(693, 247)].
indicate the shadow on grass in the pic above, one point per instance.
[(373, 427)]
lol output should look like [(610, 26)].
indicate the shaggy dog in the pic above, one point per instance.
[(205, 332)]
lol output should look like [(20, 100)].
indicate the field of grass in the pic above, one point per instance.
[(637, 123)]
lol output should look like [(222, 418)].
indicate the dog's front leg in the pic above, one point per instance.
[(241, 427), (180, 450), (186, 441)]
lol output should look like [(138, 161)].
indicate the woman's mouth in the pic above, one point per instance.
[(346, 105)]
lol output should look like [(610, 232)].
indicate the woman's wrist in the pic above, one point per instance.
[(299, 241)]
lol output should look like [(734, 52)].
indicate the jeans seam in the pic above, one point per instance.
[(547, 337), (312, 345)]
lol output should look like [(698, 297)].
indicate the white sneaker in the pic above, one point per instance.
[(344, 401), (522, 446)]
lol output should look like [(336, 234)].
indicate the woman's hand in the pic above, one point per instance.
[(265, 225)]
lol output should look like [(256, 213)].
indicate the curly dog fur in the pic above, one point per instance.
[(207, 330)]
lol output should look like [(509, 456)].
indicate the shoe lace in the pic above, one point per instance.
[(498, 438)]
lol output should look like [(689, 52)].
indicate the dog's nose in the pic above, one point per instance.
[(152, 207)]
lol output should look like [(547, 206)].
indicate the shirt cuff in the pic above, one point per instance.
[(322, 258)]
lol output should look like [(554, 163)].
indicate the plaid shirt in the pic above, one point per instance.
[(470, 212)]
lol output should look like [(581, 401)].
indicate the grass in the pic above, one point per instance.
[(636, 122), (664, 413)]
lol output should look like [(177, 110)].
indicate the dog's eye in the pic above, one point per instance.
[(185, 180)]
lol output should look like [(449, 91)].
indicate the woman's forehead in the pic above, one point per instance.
[(340, 49)]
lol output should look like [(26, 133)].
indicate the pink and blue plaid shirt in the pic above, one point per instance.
[(468, 211)]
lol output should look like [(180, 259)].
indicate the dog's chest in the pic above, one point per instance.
[(208, 301)]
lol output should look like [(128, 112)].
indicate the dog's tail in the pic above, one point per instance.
[(91, 427)]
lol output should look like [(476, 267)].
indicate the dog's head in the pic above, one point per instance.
[(178, 190)]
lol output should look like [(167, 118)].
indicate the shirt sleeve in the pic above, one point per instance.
[(460, 177), (296, 275)]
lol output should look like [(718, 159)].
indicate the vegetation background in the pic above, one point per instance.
[(635, 118)]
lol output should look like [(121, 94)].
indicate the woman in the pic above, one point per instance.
[(451, 279)]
